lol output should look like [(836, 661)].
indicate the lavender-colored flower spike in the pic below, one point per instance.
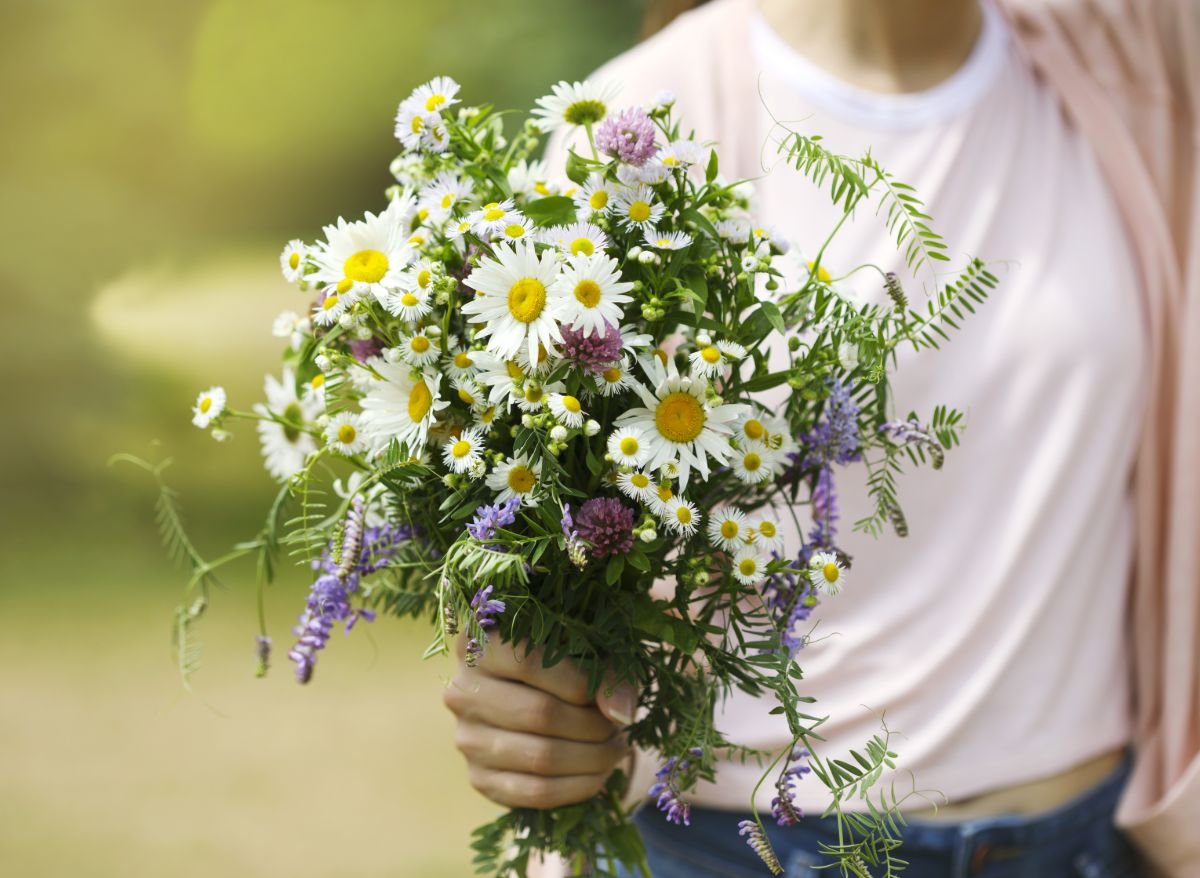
[(489, 519), (627, 136), (760, 844), (783, 807), (665, 791), (486, 610)]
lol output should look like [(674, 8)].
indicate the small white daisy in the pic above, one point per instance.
[(485, 415), (418, 349), (651, 173), (411, 304), (567, 409), (516, 227), (614, 380), (460, 453), (344, 434), (286, 446), (461, 361), (469, 392), (531, 180), (628, 447), (712, 360), (753, 463), (535, 396), (291, 261), (680, 154), (826, 572), (402, 404), (445, 191), (766, 534), (735, 231), (515, 302), (516, 477), (501, 376), (636, 208), (680, 516), (332, 306), (436, 95), (490, 218), (666, 240), (589, 293), (577, 239), (594, 195), (574, 104), (208, 407), (727, 529), (637, 486), (749, 566)]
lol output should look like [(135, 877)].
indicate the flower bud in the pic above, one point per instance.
[(323, 362), (591, 427), (648, 536), (559, 433), (393, 355)]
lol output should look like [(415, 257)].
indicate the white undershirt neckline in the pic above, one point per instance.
[(881, 110)]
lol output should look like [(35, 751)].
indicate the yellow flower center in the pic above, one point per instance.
[(344, 285), (680, 417), (317, 381), (730, 529), (571, 404), (822, 275), (460, 449), (751, 462), (294, 260), (613, 375), (585, 112), (767, 529), (417, 240), (368, 266), (515, 230), (205, 404), (665, 493), (534, 395), (418, 125), (488, 415), (640, 480), (423, 278), (434, 101), (447, 201), (542, 353), (514, 371), (629, 446), (587, 292), (754, 429), (830, 572), (330, 302), (465, 395), (639, 211), (526, 299), (423, 214), (579, 245), (493, 212), (598, 200), (747, 567), (420, 401), (541, 188), (661, 354), (419, 344), (664, 242), (710, 355), (347, 434), (683, 515), (408, 300), (463, 360), (670, 161), (520, 479)]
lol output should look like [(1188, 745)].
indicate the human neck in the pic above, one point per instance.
[(888, 46)]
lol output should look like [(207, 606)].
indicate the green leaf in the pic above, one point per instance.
[(710, 173), (612, 572), (773, 316), (577, 168), (557, 210)]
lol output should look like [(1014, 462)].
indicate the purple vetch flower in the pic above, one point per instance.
[(262, 649), (489, 519), (486, 609), (824, 509), (352, 535), (596, 353), (576, 550), (760, 844), (607, 524), (834, 439), (627, 136), (913, 432), (783, 807), (791, 599), (362, 349), (665, 791)]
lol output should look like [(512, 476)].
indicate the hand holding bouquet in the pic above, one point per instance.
[(523, 396)]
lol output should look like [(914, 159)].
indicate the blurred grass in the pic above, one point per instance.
[(155, 158)]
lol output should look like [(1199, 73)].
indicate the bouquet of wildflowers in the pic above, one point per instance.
[(520, 396)]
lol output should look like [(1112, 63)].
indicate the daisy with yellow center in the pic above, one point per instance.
[(410, 304), (440, 196), (402, 403), (628, 447), (208, 407), (749, 566), (680, 154), (418, 349), (821, 272), (680, 516), (485, 416), (678, 422), (766, 533), (282, 433), (594, 195), (753, 463), (577, 239), (727, 529), (516, 477), (635, 208), (461, 453), (735, 231), (344, 434), (491, 218), (574, 105), (536, 396), (369, 255), (567, 410), (716, 358), (291, 261), (666, 240), (468, 391), (590, 293), (460, 361), (614, 379), (826, 572), (637, 486), (516, 227), (515, 305), (332, 306), (437, 95), (531, 180), (504, 378)]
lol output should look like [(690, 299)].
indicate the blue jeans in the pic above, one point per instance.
[(1076, 840)]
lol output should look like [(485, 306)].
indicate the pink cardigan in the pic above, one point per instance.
[(1128, 73)]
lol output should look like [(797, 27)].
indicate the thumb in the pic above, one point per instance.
[(617, 701)]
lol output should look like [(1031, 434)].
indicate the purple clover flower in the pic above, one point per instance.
[(627, 136), (489, 519), (362, 349), (607, 524), (596, 353)]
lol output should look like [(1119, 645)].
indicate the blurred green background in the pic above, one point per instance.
[(155, 158)]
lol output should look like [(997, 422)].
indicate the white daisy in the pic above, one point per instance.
[(436, 95), (712, 360), (332, 306), (516, 226), (514, 300), (502, 377), (594, 195), (411, 304), (574, 104), (753, 463), (749, 565), (679, 423), (628, 447), (344, 434), (485, 416), (766, 534), (637, 485), (589, 293), (291, 261), (826, 572), (530, 179), (402, 405), (666, 240), (680, 153), (442, 193), (418, 349), (469, 391), (735, 231), (636, 208), (460, 228), (615, 379), (461, 361), (491, 218), (662, 498), (208, 407), (567, 410), (286, 446), (461, 452), (415, 125), (727, 529), (651, 173), (371, 251), (681, 517), (291, 326), (577, 239), (516, 477), (535, 396)]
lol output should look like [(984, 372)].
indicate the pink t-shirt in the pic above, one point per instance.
[(993, 638)]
